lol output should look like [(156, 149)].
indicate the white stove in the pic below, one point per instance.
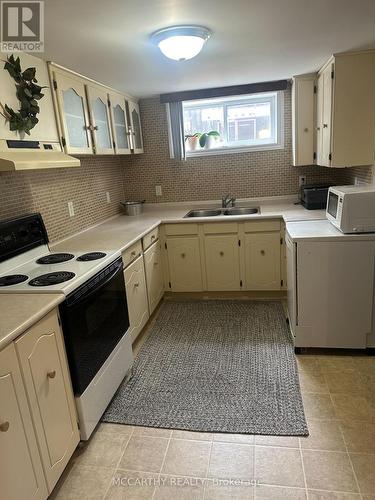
[(41, 271), (94, 315)]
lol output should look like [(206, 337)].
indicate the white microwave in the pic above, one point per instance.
[(352, 208)]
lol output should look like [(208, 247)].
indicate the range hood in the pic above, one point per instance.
[(31, 155)]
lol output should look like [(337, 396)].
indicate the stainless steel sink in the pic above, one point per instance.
[(241, 211), (203, 213), (223, 211)]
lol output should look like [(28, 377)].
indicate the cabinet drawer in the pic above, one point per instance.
[(258, 226), (181, 229), (132, 253), (220, 227), (150, 238)]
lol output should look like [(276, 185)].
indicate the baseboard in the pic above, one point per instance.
[(248, 295)]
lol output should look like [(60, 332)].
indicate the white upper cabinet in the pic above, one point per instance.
[(100, 119), (120, 125), (346, 110), (73, 112), (46, 129), (135, 127), (93, 118), (304, 119)]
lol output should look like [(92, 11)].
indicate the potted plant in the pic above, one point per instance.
[(208, 140), (192, 141)]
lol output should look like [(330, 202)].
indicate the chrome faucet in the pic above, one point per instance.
[(227, 201)]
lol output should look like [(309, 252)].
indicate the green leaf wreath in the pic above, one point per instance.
[(28, 93)]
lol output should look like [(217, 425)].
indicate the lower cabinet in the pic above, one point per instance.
[(38, 424), (222, 262), (136, 295), (21, 473), (184, 262), (225, 256), (154, 275), (45, 373), (262, 261)]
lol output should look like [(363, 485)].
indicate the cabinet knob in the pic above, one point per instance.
[(136, 285), (263, 252), (183, 255), (306, 129), (156, 263), (4, 427), (133, 254), (325, 125), (221, 254), (153, 237), (51, 374)]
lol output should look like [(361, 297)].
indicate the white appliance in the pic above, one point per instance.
[(42, 148), (352, 208), (94, 314), (330, 279)]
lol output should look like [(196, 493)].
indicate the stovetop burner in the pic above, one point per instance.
[(51, 278), (91, 256), (12, 279), (55, 258)]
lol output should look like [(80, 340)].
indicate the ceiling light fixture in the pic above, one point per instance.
[(181, 42)]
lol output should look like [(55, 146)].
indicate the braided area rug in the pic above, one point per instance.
[(215, 366)]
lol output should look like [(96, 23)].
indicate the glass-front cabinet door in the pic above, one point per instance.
[(74, 117), (136, 128), (120, 125), (100, 119)]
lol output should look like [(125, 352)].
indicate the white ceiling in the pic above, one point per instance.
[(252, 41)]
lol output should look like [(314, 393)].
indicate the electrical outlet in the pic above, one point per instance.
[(108, 197), (158, 191), (71, 209), (301, 180)]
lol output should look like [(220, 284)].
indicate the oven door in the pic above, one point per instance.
[(94, 319)]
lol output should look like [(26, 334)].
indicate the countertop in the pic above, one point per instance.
[(322, 230), (122, 231), (20, 311)]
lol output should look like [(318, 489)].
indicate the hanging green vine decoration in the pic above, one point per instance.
[(28, 93)]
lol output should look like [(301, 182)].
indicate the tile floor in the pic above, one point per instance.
[(337, 460)]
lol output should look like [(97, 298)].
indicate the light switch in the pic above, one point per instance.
[(71, 209), (158, 191)]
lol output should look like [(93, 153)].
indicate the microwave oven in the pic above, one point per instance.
[(352, 208)]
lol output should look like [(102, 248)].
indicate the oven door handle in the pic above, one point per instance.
[(83, 297)]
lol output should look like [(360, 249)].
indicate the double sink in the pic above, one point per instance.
[(214, 212)]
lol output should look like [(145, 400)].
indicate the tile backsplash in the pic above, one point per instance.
[(243, 175), (248, 174), (49, 191)]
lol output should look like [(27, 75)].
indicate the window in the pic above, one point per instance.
[(214, 126)]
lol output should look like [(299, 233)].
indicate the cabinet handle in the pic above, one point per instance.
[(156, 263), (325, 125), (4, 427), (136, 285), (51, 374), (263, 252), (221, 254), (183, 255)]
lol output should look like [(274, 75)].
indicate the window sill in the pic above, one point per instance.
[(225, 151)]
